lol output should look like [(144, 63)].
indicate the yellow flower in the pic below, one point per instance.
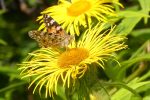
[(48, 67), (79, 13)]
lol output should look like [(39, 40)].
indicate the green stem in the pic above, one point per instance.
[(12, 86), (140, 69)]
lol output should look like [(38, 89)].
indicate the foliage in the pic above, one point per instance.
[(128, 80)]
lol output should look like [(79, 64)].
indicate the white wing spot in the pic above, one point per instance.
[(48, 16), (48, 24), (52, 21), (58, 28)]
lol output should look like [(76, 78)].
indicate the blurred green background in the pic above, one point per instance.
[(17, 17)]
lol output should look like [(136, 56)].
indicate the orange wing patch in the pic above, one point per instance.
[(55, 36)]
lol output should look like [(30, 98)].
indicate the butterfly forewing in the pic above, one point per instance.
[(55, 36), (52, 25)]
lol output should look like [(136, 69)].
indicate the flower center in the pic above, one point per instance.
[(78, 8), (72, 57)]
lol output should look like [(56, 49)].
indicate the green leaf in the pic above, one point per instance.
[(129, 63), (140, 50), (2, 12), (122, 85), (130, 14), (131, 18), (145, 5), (3, 42), (123, 94), (139, 32), (126, 25), (12, 72), (12, 86), (61, 92)]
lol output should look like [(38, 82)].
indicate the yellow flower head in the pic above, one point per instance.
[(79, 12), (49, 67)]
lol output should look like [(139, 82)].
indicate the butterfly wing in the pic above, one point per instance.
[(39, 36), (55, 36), (61, 38), (52, 26)]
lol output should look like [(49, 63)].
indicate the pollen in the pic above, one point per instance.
[(78, 8), (72, 57)]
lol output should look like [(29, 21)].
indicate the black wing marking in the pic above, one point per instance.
[(51, 24), (54, 37)]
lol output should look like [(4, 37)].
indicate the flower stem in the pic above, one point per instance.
[(140, 69)]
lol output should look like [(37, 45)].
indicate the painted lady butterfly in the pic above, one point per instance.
[(55, 36)]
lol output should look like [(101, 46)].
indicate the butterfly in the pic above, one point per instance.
[(54, 36)]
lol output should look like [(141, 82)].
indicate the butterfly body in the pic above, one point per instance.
[(54, 36)]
